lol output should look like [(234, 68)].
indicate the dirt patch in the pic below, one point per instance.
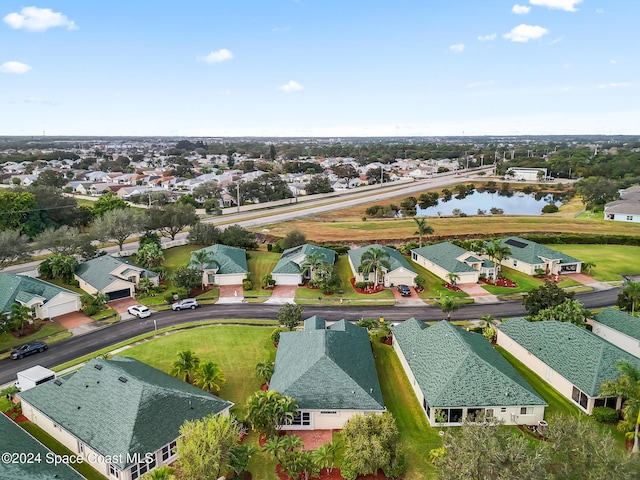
[(312, 438)]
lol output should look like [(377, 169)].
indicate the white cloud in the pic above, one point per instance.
[(613, 62), (487, 38), (600, 11), (38, 19), (524, 33), (614, 85), (221, 55), (40, 101), (520, 9), (14, 67), (280, 29), (457, 48), (292, 86), (566, 5)]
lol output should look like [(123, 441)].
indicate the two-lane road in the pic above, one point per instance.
[(74, 347)]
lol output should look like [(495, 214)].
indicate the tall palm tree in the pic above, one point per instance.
[(631, 291), (423, 228), (313, 261), (373, 260), (627, 386), (268, 411), (497, 251), (20, 316), (185, 365), (201, 257), (487, 321), (210, 377), (449, 305)]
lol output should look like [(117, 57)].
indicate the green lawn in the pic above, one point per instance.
[(525, 282), (60, 283), (416, 435), (260, 263), (611, 260), (8, 341), (434, 287)]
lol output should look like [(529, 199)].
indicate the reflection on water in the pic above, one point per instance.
[(516, 203)]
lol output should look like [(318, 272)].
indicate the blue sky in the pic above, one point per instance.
[(319, 67)]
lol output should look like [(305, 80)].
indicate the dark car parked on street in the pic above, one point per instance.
[(28, 349)]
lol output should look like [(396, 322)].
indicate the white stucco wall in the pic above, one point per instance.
[(619, 339)]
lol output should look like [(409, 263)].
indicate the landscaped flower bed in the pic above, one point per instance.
[(501, 282), (452, 287), (368, 289)]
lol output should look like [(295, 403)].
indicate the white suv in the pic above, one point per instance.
[(139, 311), (184, 304)]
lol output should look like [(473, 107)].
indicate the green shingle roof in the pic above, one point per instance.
[(328, 368), (580, 356), (533, 253), (620, 321), (137, 416), (396, 260), (16, 440), (292, 258), (23, 288), (96, 272), (444, 255), (456, 368), (226, 259)]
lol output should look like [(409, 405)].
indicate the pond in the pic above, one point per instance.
[(513, 203)]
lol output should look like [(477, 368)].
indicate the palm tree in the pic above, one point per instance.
[(162, 473), (210, 377), (63, 267), (19, 317), (496, 251), (423, 228), (372, 261), (313, 261), (201, 257), (264, 371), (453, 278), (325, 455), (185, 365), (239, 457), (268, 411), (487, 321), (274, 446), (631, 292), (587, 267), (627, 386), (449, 305)]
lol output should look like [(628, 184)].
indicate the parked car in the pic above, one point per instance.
[(184, 304), (404, 290), (28, 349), (139, 311)]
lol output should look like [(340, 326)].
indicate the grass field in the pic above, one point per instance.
[(611, 260), (8, 341), (433, 288), (260, 263)]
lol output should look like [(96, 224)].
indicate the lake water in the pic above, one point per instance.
[(517, 204)]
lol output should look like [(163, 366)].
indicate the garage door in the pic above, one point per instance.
[(287, 279), (115, 295), (61, 309)]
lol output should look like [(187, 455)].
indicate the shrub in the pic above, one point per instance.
[(275, 335), (247, 284), (550, 208), (339, 249), (604, 414)]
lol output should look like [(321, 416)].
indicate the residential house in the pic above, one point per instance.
[(15, 440), (458, 374), (80, 187), (113, 276), (625, 209), (527, 257), (446, 259), (225, 266), (121, 415), (524, 174), (619, 328), (46, 300), (290, 271), (400, 272), (571, 359), (329, 371)]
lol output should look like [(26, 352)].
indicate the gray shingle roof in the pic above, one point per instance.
[(444, 255), (533, 253), (456, 368), (227, 259), (580, 356), (15, 440), (96, 272), (396, 260), (620, 321), (23, 288), (330, 368), (137, 416), (287, 265)]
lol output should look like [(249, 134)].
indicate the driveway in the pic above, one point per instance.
[(587, 280), (479, 294), (282, 294), (72, 320), (230, 294), (413, 301)]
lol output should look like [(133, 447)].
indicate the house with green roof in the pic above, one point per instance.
[(114, 276), (330, 372), (400, 273), (458, 374), (15, 440), (571, 359), (291, 269), (527, 257), (46, 300), (225, 265), (446, 258), (619, 328), (121, 415)]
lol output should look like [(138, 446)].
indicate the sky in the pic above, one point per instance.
[(332, 68)]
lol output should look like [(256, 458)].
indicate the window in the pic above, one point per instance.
[(629, 217), (503, 409), (606, 402), (141, 468), (489, 412), (579, 397), (526, 410), (113, 471), (302, 418), (169, 451)]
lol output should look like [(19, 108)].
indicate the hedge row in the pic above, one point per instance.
[(583, 238)]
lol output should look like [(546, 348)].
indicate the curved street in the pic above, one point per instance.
[(74, 347)]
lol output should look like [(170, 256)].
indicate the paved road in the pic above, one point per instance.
[(63, 351)]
